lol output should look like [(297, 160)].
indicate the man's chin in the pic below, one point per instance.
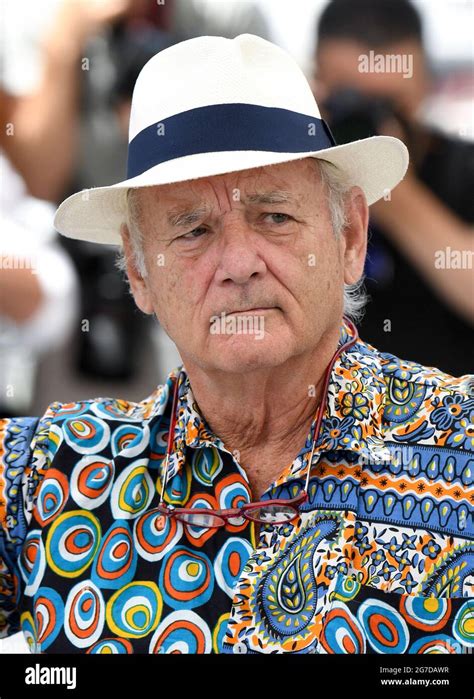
[(238, 354)]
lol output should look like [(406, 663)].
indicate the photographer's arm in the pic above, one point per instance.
[(421, 226), (45, 124)]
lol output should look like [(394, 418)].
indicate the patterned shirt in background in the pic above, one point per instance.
[(381, 558)]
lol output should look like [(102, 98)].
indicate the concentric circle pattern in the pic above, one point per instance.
[(86, 434), (182, 632), (132, 491), (49, 616), (342, 632), (206, 464), (134, 610), (116, 561), (91, 481), (186, 578), (84, 614), (463, 627), (426, 613), (229, 563), (32, 561), (130, 440), (111, 646), (385, 628), (154, 534), (52, 496), (72, 543)]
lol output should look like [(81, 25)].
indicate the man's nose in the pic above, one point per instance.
[(239, 257)]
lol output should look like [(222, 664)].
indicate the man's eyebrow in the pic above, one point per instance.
[(181, 218), (185, 217), (274, 197)]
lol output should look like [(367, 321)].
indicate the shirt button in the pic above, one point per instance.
[(240, 648)]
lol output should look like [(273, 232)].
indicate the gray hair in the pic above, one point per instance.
[(337, 186)]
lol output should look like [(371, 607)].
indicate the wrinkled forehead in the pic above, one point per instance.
[(279, 183)]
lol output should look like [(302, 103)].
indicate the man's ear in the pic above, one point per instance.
[(138, 284), (355, 235)]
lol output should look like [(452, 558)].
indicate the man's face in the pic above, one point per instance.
[(256, 245), (338, 65)]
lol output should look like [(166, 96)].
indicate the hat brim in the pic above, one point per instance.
[(376, 164)]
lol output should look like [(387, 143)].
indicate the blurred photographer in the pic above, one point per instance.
[(372, 77)]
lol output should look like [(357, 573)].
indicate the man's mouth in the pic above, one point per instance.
[(256, 309)]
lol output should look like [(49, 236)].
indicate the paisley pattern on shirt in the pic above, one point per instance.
[(380, 559)]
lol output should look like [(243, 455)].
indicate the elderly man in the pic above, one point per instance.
[(289, 489)]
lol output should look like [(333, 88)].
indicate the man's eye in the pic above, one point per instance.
[(278, 218), (195, 233)]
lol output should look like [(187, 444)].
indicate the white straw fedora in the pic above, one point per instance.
[(208, 106)]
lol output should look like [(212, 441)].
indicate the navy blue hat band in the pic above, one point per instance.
[(226, 127)]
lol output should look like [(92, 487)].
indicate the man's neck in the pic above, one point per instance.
[(265, 412)]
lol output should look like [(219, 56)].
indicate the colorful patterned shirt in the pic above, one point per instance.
[(381, 558)]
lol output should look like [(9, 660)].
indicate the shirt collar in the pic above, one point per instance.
[(354, 403), (352, 419)]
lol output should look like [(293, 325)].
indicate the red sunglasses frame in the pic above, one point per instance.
[(235, 512)]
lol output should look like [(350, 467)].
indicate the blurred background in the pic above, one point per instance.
[(69, 327)]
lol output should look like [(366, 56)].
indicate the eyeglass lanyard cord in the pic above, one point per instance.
[(320, 409), (322, 402)]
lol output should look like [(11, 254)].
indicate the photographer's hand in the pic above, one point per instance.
[(421, 226)]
